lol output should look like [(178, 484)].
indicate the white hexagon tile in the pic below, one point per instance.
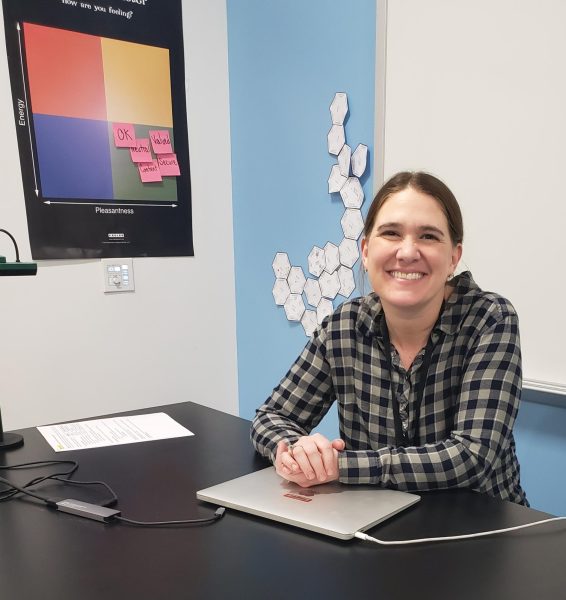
[(349, 252), (332, 255), (336, 139), (312, 292), (329, 268), (352, 223), (296, 280), (281, 291), (294, 307), (352, 193), (339, 108), (344, 159)]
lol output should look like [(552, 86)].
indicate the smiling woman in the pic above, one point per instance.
[(426, 370)]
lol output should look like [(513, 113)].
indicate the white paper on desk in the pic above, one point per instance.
[(114, 431)]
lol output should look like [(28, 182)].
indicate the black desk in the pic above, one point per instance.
[(51, 555)]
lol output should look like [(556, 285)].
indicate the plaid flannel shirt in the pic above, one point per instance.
[(464, 433)]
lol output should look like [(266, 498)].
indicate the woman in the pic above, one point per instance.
[(426, 370)]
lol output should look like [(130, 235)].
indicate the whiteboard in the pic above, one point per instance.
[(476, 94)]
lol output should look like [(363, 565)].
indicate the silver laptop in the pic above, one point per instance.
[(332, 509)]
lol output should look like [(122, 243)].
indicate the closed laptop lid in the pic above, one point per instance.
[(332, 509)]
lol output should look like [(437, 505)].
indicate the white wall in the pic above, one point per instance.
[(67, 350), (476, 93)]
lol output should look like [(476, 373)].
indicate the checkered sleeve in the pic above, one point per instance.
[(298, 403), (485, 411)]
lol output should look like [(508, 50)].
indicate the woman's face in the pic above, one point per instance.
[(409, 254)]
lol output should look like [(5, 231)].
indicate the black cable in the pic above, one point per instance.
[(63, 477), (74, 463), (219, 513), (10, 493), (14, 242), (21, 490), (111, 502)]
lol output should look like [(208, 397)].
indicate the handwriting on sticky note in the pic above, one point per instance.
[(140, 152), (168, 165), (160, 141), (149, 172), (124, 135)]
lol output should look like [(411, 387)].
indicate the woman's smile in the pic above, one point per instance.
[(411, 276)]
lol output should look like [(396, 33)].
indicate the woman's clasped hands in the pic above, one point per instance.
[(311, 460)]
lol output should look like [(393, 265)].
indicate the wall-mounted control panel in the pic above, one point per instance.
[(118, 275)]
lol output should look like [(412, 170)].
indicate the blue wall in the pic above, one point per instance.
[(540, 433), (286, 61)]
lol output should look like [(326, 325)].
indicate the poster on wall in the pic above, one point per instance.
[(99, 102)]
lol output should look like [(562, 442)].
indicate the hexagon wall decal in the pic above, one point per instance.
[(329, 268)]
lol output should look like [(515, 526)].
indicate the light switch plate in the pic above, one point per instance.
[(118, 275)]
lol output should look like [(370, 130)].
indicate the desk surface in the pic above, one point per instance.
[(51, 555)]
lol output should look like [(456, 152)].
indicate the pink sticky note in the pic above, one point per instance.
[(149, 171), (140, 152), (124, 135), (168, 165), (160, 141)]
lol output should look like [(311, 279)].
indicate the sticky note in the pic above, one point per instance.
[(124, 135), (149, 172), (160, 141), (168, 165), (140, 152)]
